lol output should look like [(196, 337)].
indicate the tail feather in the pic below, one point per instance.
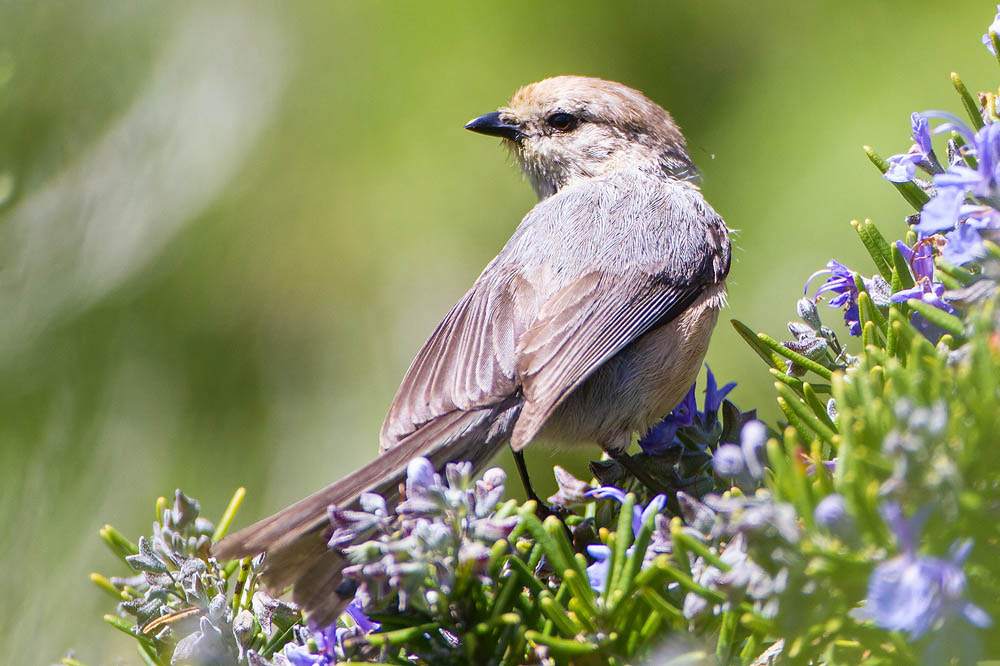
[(319, 590), (295, 539)]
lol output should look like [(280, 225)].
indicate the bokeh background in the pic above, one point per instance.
[(226, 227)]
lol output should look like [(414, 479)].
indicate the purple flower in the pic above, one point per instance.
[(329, 641), (661, 436), (994, 28), (419, 476), (916, 593), (948, 206), (920, 260), (903, 167), (325, 654), (831, 514), (964, 245), (639, 514), (941, 212), (728, 461), (841, 283), (364, 623), (713, 395), (926, 289), (753, 437), (597, 572)]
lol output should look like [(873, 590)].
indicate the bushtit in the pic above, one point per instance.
[(591, 324)]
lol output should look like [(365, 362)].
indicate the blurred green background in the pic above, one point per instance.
[(226, 228)]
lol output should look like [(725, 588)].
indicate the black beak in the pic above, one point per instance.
[(493, 125)]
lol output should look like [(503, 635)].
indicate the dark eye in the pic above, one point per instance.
[(561, 121)]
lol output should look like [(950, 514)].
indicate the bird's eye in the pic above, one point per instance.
[(561, 121)]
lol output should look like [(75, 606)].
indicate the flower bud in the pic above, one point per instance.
[(808, 313)]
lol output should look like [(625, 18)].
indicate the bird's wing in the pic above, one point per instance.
[(499, 339), (597, 315), (467, 363)]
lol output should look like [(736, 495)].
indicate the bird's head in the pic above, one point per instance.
[(571, 127)]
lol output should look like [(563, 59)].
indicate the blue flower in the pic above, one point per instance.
[(363, 622), (325, 654), (597, 572), (948, 206), (714, 395), (831, 514), (915, 593), (841, 283), (964, 245), (661, 436), (994, 28), (420, 476), (728, 461), (753, 438), (921, 262), (903, 167), (942, 212), (329, 641)]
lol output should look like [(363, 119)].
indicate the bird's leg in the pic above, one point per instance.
[(543, 509)]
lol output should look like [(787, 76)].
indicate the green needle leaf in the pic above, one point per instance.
[(623, 539), (230, 512), (561, 646), (634, 562), (804, 413), (957, 273), (772, 359), (876, 246), (400, 636), (795, 357), (555, 611), (119, 545), (970, 104), (995, 40)]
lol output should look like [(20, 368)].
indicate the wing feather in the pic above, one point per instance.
[(466, 364), (557, 358), (589, 271)]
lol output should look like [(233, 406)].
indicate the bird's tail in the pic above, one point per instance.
[(295, 539)]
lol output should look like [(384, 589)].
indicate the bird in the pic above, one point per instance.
[(590, 324)]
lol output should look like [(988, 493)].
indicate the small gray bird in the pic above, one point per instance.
[(591, 324)]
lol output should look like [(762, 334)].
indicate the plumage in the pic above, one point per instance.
[(590, 324)]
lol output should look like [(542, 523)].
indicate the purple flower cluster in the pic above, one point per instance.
[(840, 281), (916, 593), (966, 195), (903, 167), (920, 259), (326, 647)]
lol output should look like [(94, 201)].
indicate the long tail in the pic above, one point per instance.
[(295, 538)]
